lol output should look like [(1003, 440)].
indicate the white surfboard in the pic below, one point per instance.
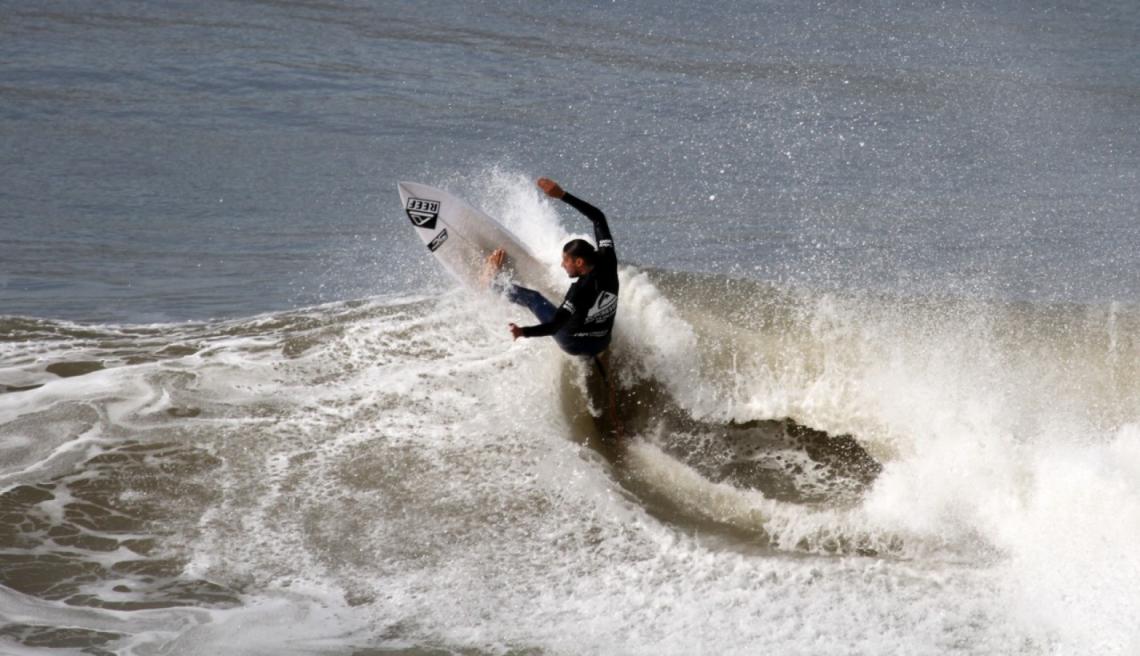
[(461, 237)]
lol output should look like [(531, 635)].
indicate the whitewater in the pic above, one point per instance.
[(394, 474)]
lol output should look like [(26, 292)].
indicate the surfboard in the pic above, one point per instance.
[(461, 237)]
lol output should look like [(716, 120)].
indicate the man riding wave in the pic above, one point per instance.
[(582, 325)]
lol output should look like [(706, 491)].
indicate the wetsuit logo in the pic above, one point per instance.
[(438, 241), (603, 309), (423, 212)]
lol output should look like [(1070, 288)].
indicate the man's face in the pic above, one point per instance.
[(573, 266)]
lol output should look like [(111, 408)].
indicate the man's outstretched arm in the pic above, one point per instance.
[(545, 329), (602, 235)]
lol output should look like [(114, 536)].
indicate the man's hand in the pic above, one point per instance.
[(551, 188), (516, 332)]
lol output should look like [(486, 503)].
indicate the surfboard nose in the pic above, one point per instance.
[(405, 190)]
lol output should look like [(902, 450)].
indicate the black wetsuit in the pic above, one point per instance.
[(582, 325)]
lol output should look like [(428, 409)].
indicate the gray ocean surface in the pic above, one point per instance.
[(875, 374), (170, 161)]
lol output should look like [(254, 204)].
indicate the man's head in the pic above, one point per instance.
[(578, 257)]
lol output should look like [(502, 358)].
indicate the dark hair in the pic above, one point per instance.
[(580, 248)]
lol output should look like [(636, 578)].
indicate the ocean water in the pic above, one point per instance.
[(876, 357)]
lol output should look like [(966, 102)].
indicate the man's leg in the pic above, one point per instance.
[(543, 309)]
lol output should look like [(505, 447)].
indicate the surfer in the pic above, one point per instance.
[(583, 323)]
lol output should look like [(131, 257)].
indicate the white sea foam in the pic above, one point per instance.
[(462, 516), (407, 476)]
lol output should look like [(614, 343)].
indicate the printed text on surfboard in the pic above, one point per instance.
[(423, 212)]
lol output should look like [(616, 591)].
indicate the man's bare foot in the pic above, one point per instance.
[(493, 266)]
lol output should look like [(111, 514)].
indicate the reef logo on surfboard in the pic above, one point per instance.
[(423, 212)]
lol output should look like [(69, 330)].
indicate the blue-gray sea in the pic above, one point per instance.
[(876, 363)]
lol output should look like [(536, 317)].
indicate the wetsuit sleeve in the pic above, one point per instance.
[(563, 315), (602, 235), (549, 328)]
